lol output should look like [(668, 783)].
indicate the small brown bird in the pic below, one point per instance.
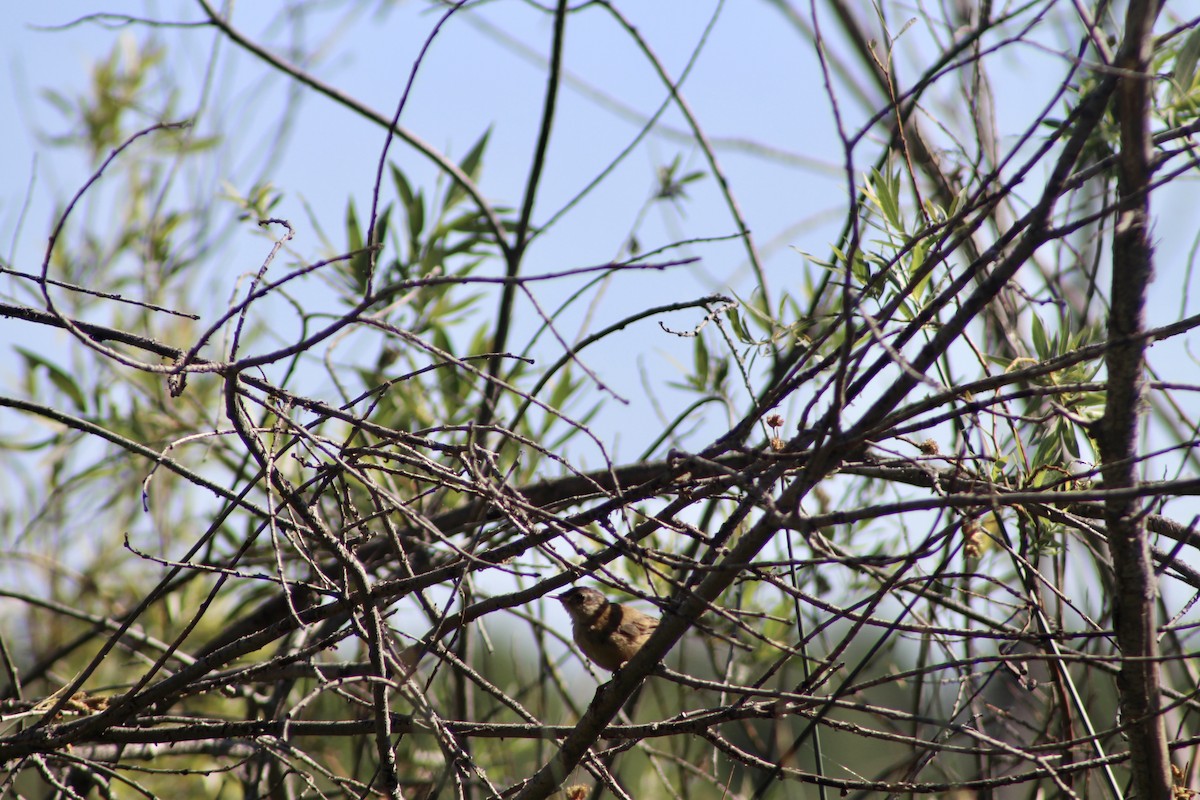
[(607, 633)]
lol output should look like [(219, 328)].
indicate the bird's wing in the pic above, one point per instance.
[(636, 628)]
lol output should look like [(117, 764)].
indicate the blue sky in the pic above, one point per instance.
[(756, 86), (752, 81)]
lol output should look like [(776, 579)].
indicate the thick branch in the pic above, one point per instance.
[(1134, 603)]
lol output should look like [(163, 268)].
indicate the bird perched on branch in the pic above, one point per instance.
[(607, 633)]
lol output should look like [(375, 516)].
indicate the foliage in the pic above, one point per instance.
[(289, 503)]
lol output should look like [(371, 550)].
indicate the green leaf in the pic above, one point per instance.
[(564, 387), (739, 327), (1071, 443), (884, 189), (381, 225), (702, 364), (471, 162), (61, 379), (756, 314), (470, 167), (1185, 63), (416, 221), (1040, 345), (360, 264), (402, 187), (414, 211)]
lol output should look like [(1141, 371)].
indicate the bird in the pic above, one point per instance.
[(608, 633)]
